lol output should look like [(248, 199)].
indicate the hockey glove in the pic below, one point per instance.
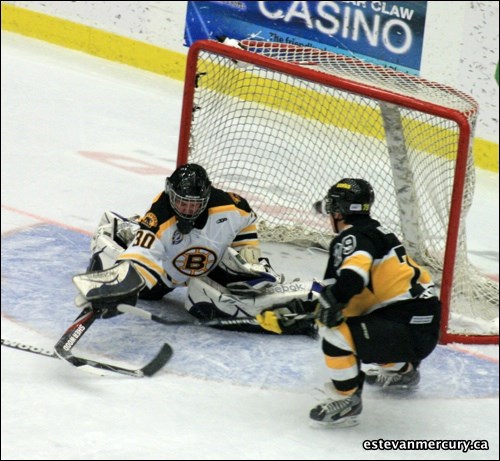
[(271, 321), (107, 309), (283, 319), (104, 309), (330, 310)]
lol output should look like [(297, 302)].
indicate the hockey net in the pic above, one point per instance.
[(280, 124)]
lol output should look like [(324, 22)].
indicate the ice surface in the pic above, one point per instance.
[(81, 135)]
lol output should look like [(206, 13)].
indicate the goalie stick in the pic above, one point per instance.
[(148, 370), (127, 309), (119, 281), (74, 333), (28, 348)]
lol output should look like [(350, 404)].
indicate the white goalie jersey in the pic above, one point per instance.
[(244, 291), (162, 252)]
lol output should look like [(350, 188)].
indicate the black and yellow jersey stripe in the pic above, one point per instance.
[(371, 269)]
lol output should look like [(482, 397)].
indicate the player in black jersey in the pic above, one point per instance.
[(379, 306)]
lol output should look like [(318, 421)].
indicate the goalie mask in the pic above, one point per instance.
[(189, 191), (349, 197)]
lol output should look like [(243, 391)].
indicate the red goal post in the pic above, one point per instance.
[(281, 123)]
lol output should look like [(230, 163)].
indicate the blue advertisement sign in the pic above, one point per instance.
[(386, 33)]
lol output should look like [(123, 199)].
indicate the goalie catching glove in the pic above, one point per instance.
[(102, 291), (290, 318)]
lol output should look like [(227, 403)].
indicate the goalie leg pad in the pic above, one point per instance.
[(105, 251), (206, 299), (237, 275), (113, 235)]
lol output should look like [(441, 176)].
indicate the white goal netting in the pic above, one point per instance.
[(280, 132)]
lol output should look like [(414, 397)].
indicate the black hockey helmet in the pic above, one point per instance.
[(350, 196), (188, 189)]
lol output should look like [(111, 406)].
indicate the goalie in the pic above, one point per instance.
[(197, 235)]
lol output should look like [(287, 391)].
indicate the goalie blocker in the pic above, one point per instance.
[(104, 290)]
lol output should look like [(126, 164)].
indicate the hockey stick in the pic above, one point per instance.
[(127, 309), (147, 370), (29, 348), (74, 333)]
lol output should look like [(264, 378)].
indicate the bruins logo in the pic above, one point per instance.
[(150, 220), (195, 261), (236, 198)]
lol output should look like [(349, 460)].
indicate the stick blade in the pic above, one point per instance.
[(159, 361)]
